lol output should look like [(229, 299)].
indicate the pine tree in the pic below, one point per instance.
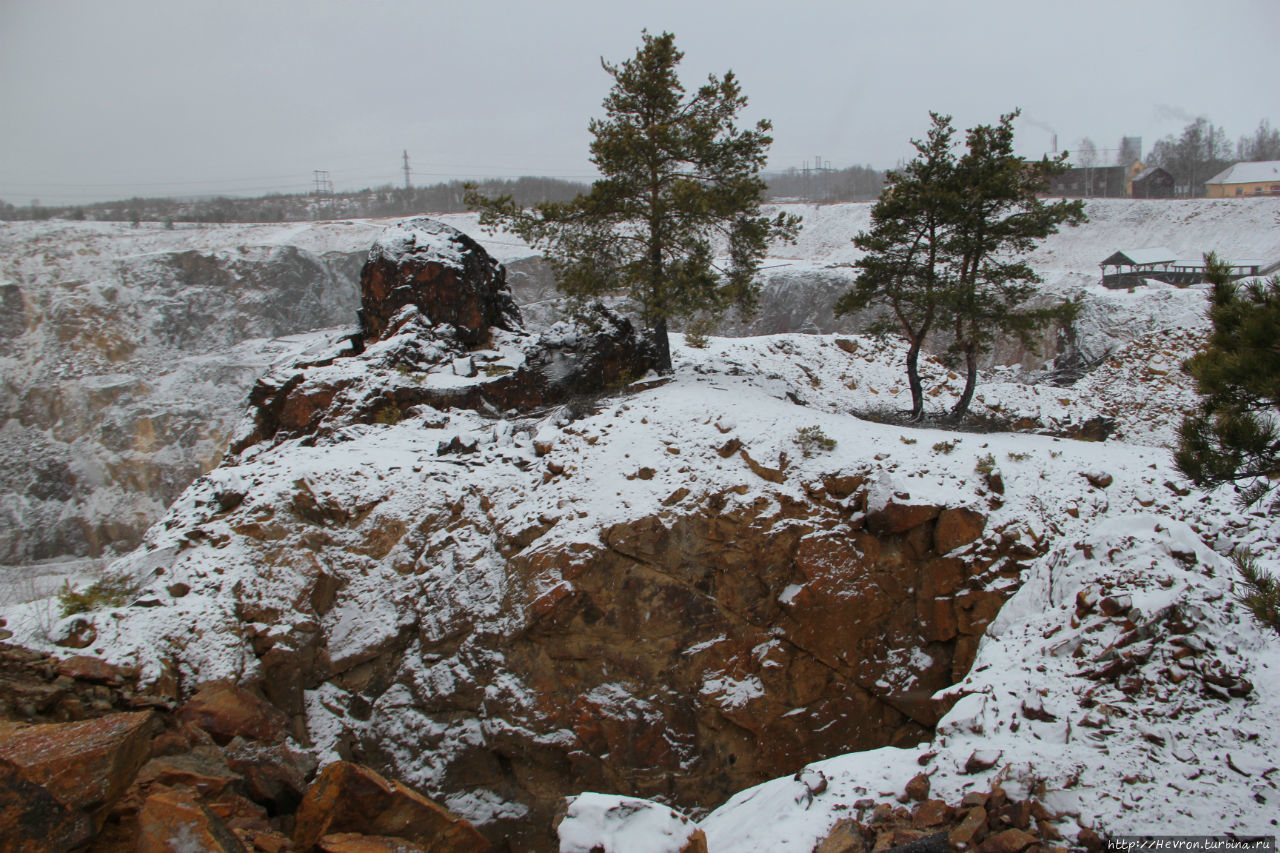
[(905, 260), (944, 245), (1234, 437), (998, 218), (679, 181)]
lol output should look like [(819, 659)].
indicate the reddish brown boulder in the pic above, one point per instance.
[(274, 775), (32, 820), (443, 273), (697, 842), (174, 821), (899, 517), (350, 842), (957, 527), (77, 632), (931, 813), (980, 760), (203, 770), (1009, 841), (970, 828), (85, 765), (844, 837), (347, 797), (918, 787), (225, 711), (86, 668)]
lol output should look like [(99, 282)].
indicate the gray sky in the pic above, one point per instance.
[(111, 98)]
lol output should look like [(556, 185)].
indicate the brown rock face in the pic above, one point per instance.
[(226, 711), (85, 765), (350, 842), (32, 819), (174, 821), (347, 797), (957, 527), (443, 273), (692, 655)]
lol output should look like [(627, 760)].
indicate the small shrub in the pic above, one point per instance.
[(390, 415), (104, 592), (946, 446), (813, 440), (579, 407), (1019, 457), (696, 335), (990, 473), (906, 440), (1262, 593)]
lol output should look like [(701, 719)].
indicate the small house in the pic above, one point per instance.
[(1152, 183), (1090, 182), (1242, 180)]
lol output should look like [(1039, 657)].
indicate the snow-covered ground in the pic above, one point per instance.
[(1168, 737), (1166, 740)]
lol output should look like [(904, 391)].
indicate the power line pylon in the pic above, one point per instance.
[(324, 186)]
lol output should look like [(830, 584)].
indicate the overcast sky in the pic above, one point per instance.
[(111, 98)]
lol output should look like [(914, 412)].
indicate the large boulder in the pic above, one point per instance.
[(173, 820), (226, 711), (443, 273), (438, 328), (346, 797), (83, 767)]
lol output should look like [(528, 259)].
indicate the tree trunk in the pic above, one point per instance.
[(970, 382), (913, 379), (663, 345)]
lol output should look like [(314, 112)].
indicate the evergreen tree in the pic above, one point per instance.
[(905, 261), (1234, 437), (944, 245), (679, 180), (999, 216)]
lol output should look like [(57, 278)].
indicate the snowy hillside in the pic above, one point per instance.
[(419, 541), (125, 353)]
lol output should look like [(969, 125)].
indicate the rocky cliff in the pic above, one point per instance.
[(508, 566), (122, 370)]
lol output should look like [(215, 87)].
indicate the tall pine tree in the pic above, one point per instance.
[(906, 248), (679, 187), (1235, 435), (999, 218), (945, 244)]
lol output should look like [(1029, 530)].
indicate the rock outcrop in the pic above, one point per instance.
[(441, 272), (163, 780), (436, 313), (420, 554)]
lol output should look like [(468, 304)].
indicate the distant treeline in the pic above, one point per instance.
[(858, 183), (361, 204)]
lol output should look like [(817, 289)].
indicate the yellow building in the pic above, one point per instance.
[(1245, 179)]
